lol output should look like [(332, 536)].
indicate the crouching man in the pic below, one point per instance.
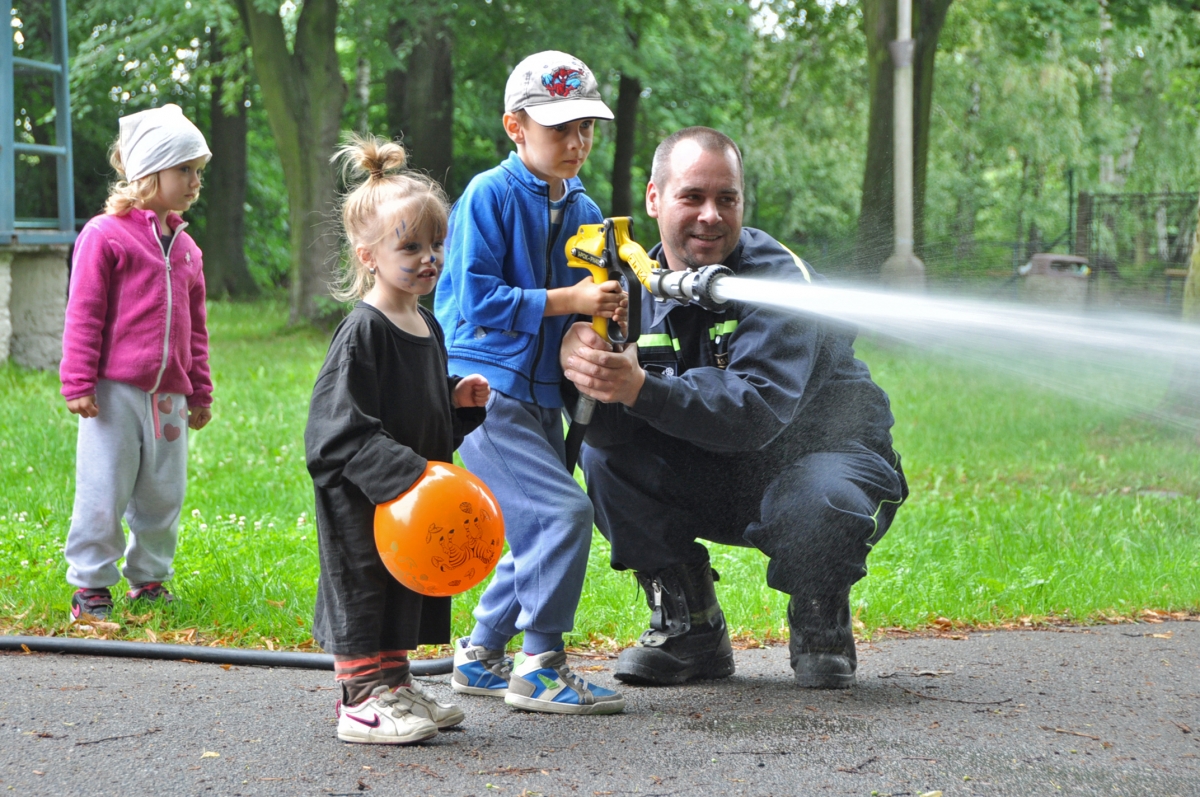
[(745, 426)]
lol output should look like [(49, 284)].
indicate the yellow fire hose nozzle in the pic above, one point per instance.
[(609, 252), (585, 249)]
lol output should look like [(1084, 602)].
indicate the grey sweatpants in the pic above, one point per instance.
[(131, 461)]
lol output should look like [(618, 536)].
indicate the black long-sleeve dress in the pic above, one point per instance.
[(380, 410)]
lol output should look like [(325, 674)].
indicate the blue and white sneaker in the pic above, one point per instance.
[(479, 671), (545, 683)]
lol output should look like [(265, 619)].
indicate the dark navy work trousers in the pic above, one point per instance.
[(815, 515)]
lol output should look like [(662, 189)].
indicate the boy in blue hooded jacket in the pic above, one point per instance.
[(504, 302)]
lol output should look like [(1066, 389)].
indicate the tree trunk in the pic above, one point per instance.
[(929, 21), (1183, 392), (362, 92), (225, 269), (630, 92), (395, 84), (1022, 253), (421, 97), (964, 216), (304, 95), (1108, 171), (876, 218), (1191, 288)]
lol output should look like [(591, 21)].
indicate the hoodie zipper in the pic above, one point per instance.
[(537, 353), (537, 356), (166, 253)]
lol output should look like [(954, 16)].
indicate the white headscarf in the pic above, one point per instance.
[(158, 139)]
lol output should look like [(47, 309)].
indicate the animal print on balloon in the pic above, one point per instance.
[(460, 545)]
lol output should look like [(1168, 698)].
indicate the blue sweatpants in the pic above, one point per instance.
[(519, 454)]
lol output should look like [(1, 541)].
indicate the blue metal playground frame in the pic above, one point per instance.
[(37, 231)]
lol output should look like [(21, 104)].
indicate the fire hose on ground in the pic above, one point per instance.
[(195, 653)]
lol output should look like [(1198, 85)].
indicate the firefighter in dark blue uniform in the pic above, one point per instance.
[(745, 426)]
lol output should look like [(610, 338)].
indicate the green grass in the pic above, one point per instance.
[(1024, 504)]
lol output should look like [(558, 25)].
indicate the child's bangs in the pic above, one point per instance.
[(412, 216)]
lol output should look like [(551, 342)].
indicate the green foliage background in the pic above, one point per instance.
[(1017, 105)]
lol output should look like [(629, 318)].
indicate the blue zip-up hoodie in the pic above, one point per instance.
[(491, 298)]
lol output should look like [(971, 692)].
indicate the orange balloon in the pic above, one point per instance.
[(444, 535)]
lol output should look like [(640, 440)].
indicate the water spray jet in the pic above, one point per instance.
[(1123, 359)]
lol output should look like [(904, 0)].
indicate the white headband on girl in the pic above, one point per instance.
[(158, 139)]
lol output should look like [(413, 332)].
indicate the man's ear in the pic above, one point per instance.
[(512, 126), (652, 200)]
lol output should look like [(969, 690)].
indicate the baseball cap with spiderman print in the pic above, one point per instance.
[(554, 88)]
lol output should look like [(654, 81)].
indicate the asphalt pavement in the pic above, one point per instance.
[(1110, 710)]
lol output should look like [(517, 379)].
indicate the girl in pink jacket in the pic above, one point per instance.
[(135, 363)]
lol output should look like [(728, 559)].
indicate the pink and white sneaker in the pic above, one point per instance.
[(153, 591), (382, 718)]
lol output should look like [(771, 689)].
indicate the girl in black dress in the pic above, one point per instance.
[(382, 407)]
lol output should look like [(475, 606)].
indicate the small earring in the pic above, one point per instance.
[(372, 271)]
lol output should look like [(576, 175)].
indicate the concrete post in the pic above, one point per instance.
[(5, 294), (903, 269), (33, 302)]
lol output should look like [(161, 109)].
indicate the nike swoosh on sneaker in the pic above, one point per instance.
[(373, 724)]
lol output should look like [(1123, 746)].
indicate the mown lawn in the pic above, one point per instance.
[(1024, 504)]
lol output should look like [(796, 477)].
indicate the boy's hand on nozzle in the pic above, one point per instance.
[(621, 316), (84, 406), (199, 417), (598, 299), (471, 391)]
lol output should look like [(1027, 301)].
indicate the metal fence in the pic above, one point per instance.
[(1136, 236)]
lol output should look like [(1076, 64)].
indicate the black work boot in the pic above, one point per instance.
[(822, 642), (687, 638)]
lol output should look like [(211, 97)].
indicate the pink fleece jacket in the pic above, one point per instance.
[(133, 318)]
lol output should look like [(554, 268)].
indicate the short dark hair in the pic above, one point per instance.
[(709, 140)]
